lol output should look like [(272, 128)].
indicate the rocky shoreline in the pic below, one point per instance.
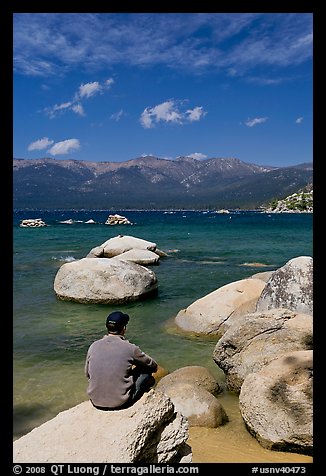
[(300, 202), (263, 328)]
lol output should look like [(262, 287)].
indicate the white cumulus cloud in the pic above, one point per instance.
[(64, 147), (255, 121), (78, 109), (108, 83), (40, 144), (89, 89), (196, 113), (146, 119), (166, 112), (85, 91), (169, 111)]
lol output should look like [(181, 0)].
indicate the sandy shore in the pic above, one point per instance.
[(232, 443)]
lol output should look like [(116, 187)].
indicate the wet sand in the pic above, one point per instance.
[(232, 443)]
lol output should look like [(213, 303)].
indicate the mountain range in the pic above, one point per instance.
[(153, 183)]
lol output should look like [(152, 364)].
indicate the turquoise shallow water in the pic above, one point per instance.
[(206, 251)]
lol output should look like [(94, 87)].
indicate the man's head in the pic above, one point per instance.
[(116, 322)]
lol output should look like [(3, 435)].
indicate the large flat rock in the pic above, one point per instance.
[(149, 431)]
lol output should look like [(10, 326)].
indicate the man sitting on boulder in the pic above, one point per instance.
[(118, 371)]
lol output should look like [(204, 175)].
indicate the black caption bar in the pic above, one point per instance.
[(103, 469)]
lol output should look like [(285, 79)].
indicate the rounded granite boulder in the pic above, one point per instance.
[(103, 280)]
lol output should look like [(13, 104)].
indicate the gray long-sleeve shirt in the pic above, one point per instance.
[(108, 368)]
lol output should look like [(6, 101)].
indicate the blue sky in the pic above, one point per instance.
[(116, 86)]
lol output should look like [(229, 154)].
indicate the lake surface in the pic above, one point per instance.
[(206, 250)]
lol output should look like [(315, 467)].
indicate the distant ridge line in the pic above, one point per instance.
[(153, 183)]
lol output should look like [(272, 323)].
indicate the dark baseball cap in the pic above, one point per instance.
[(117, 318)]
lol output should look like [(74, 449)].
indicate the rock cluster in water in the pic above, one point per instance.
[(32, 223), (117, 220), (264, 347), (113, 272), (264, 329)]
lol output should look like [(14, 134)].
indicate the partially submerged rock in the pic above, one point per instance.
[(101, 280), (32, 223), (122, 243), (194, 375), (117, 220), (199, 406), (211, 314), (143, 257), (193, 390), (128, 248)]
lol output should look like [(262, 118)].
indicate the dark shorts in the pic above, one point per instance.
[(143, 381)]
